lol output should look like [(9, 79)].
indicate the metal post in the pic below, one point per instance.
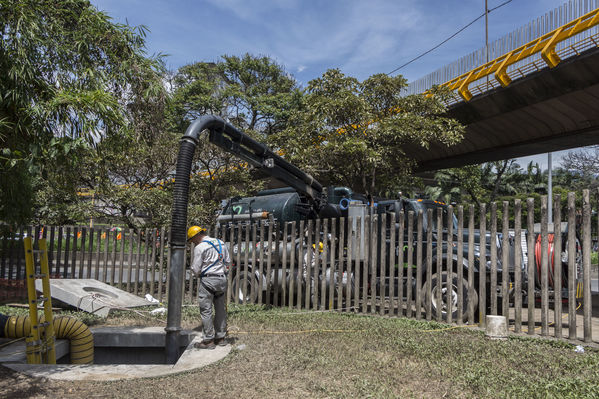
[(550, 187)]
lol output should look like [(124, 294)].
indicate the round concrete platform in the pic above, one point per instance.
[(191, 359)]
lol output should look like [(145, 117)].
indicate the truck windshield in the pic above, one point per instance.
[(424, 206)]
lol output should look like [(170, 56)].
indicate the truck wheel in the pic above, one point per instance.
[(449, 294), (237, 291)]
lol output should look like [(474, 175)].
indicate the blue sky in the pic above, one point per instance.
[(307, 37)]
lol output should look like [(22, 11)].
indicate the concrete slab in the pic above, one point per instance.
[(15, 353), (92, 296), (191, 359)]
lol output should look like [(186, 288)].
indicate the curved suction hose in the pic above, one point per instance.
[(65, 327)]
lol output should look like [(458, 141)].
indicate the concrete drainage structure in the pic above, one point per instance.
[(120, 353)]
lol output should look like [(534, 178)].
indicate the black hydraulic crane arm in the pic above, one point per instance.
[(227, 137), (261, 157)]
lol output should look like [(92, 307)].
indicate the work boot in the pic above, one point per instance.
[(205, 345), (220, 341)]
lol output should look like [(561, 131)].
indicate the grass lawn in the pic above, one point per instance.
[(371, 357)]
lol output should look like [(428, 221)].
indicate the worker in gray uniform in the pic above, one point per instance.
[(211, 261)]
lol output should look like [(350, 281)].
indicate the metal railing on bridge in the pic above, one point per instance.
[(562, 33)]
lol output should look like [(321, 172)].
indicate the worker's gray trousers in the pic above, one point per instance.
[(213, 290)]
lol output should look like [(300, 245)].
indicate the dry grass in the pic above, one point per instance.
[(373, 357)]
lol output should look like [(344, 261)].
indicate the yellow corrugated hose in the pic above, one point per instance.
[(65, 327)]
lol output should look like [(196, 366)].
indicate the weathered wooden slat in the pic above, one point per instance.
[(557, 268), (429, 263), (409, 265), (269, 266), (544, 268), (460, 263), (530, 209), (246, 257), (105, 264), (326, 300), (149, 243), (155, 243), (450, 263), (505, 244), (67, 252), (383, 262), (235, 295), (392, 263), (438, 292), (292, 272), (168, 263), (349, 268), (229, 241), (90, 254), (419, 244), (113, 257), (517, 265), (355, 224), (58, 253), (365, 244), (53, 268), (286, 277), (274, 262), (571, 266), (81, 270), (299, 237), (493, 250), (74, 254), (122, 258), (254, 255), (401, 239), (138, 264), (306, 262), (343, 266), (98, 260), (586, 266), (315, 272), (161, 263), (260, 242), (482, 274), (130, 259), (373, 261), (471, 288)]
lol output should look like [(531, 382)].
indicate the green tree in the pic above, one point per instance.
[(255, 94), (351, 132), (70, 78)]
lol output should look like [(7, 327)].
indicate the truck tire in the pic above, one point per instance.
[(237, 291), (449, 292)]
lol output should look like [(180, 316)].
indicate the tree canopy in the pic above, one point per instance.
[(352, 133), (70, 77)]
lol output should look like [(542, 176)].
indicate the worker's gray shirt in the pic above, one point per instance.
[(205, 255)]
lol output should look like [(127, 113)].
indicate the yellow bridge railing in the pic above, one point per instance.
[(545, 45)]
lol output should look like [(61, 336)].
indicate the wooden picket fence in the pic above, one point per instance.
[(390, 264)]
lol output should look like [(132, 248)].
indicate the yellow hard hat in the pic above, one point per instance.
[(194, 231), (320, 247)]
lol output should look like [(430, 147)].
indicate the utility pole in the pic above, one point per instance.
[(550, 187), (487, 36)]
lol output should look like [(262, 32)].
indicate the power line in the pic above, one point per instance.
[(449, 38)]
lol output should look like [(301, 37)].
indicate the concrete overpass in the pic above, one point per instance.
[(531, 99)]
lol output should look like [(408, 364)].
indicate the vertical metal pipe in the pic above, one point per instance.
[(550, 186)]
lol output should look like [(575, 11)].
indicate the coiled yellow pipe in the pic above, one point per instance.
[(65, 327)]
